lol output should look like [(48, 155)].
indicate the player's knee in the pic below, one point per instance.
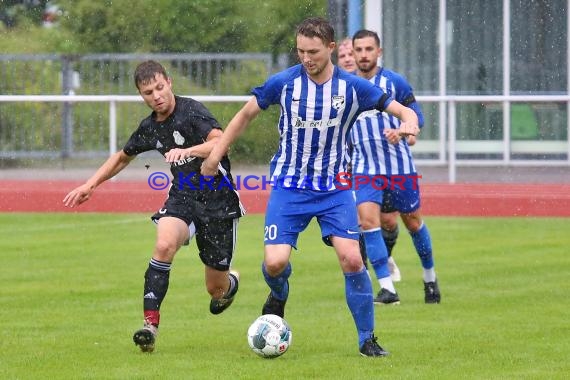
[(165, 249), (352, 263), (274, 267), (414, 226), (413, 222), (389, 222), (368, 223)]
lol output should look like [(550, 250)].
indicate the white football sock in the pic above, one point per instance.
[(429, 275), (386, 283)]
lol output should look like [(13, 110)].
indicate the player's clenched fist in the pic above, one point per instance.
[(407, 129)]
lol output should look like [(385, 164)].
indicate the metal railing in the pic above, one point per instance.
[(446, 148), (449, 146)]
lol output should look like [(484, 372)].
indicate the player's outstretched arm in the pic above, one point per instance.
[(109, 169), (236, 127)]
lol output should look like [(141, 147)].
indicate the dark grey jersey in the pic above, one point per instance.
[(189, 125)]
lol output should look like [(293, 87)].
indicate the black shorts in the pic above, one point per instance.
[(215, 238), (387, 205)]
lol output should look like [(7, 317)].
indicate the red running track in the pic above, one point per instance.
[(549, 200)]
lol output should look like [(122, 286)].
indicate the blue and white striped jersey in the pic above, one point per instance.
[(314, 123), (371, 153)]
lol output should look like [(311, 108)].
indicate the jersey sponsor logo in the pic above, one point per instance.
[(184, 161), (178, 138), (338, 102), (297, 122)]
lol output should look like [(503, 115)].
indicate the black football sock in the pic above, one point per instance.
[(155, 287), (362, 246), (390, 238)]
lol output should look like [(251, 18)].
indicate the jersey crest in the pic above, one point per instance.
[(338, 102), (178, 138)]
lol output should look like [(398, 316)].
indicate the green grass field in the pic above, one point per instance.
[(71, 297)]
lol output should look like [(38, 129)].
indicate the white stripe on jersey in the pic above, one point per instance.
[(372, 154)]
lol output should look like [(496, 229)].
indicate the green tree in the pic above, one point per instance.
[(18, 12), (271, 24), (116, 26), (157, 26), (187, 26)]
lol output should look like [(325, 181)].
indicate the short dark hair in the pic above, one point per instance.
[(147, 70), (363, 33), (316, 27)]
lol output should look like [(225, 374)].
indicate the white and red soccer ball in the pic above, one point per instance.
[(269, 336)]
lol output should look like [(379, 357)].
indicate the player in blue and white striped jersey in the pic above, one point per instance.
[(389, 216), (383, 156), (319, 104)]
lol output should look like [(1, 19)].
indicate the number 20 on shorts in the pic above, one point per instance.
[(270, 232)]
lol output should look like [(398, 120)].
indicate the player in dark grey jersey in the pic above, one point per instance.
[(184, 131)]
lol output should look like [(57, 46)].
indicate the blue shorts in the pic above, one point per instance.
[(369, 188), (403, 193), (398, 192), (289, 212)]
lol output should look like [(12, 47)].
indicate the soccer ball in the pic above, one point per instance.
[(269, 336)]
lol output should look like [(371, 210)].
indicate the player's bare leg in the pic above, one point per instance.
[(222, 287)]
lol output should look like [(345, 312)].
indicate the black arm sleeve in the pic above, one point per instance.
[(409, 100), (380, 105)]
